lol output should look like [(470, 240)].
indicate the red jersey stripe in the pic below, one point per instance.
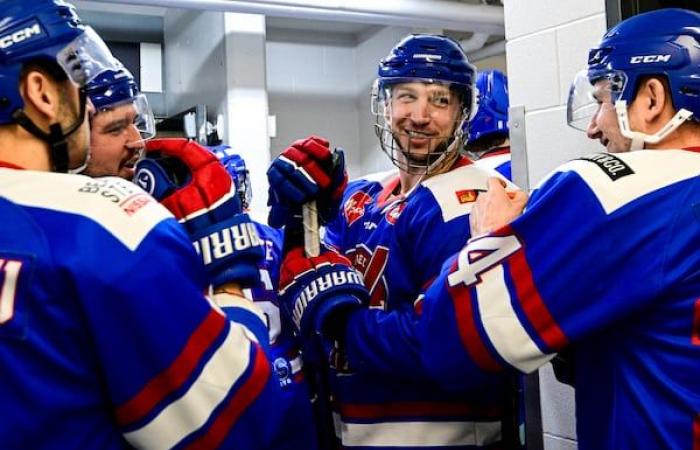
[(534, 307), (464, 315), (236, 404), (175, 376)]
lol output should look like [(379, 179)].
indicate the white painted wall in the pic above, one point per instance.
[(194, 59), (246, 101), (311, 86), (547, 43)]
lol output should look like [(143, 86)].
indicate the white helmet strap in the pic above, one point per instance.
[(639, 138)]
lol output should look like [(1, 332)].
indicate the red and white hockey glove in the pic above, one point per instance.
[(307, 170), (316, 292), (191, 182)]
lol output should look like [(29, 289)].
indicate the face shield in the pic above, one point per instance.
[(419, 121), (585, 98), (85, 57), (139, 113)]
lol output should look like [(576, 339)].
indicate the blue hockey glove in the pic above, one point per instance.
[(189, 180), (316, 292), (307, 170)]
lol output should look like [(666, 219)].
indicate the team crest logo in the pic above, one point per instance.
[(394, 212), (466, 196), (355, 206)]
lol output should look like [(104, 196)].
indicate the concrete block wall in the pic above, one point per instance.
[(547, 44)]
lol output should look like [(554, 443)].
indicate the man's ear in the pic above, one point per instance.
[(41, 96), (655, 101)]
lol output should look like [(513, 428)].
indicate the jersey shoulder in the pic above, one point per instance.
[(618, 179), (455, 192), (372, 183), (121, 208), (493, 162)]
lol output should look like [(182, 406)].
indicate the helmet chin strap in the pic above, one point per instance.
[(56, 138), (639, 138)]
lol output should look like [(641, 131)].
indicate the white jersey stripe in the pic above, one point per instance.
[(188, 413), (418, 434), (120, 207), (502, 325), (616, 194), (445, 187)]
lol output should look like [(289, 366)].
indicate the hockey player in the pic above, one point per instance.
[(396, 232), (488, 142), (298, 431), (106, 340), (122, 122), (617, 272)]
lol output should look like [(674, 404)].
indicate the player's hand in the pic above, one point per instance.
[(495, 208), (188, 180), (307, 170), (316, 291)]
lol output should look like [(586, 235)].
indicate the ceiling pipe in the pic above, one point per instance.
[(475, 42), (441, 14), (495, 49)]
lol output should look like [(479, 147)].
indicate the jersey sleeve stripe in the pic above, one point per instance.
[(175, 376), (532, 304), (502, 325), (190, 412), (471, 340), (418, 434), (236, 404)]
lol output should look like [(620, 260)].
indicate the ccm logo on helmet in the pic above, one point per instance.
[(18, 36), (649, 59)]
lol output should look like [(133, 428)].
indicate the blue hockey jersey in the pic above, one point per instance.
[(384, 396), (106, 340), (605, 257), (498, 160), (298, 432)]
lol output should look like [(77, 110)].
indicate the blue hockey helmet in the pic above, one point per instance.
[(117, 87), (235, 165), (492, 114), (431, 59), (665, 43), (46, 31)]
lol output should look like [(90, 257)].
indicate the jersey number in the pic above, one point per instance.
[(9, 271), (481, 255)]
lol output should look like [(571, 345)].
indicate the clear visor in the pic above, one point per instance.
[(143, 121), (585, 98), (85, 57)]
